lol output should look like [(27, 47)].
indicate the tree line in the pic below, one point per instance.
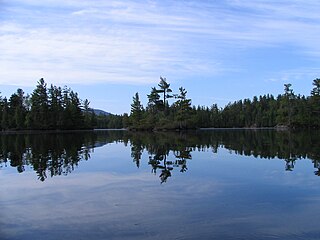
[(51, 108), (287, 110)]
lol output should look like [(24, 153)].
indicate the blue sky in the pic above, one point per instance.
[(220, 51)]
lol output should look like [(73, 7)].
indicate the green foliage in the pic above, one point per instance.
[(154, 103), (5, 114), (46, 108), (183, 106), (57, 108), (165, 90), (314, 103), (287, 110), (40, 105), (159, 115), (136, 111)]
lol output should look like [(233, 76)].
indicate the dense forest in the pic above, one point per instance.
[(287, 110), (51, 108)]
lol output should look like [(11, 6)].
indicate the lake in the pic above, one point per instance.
[(206, 184)]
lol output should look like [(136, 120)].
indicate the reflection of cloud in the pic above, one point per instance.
[(216, 199), (109, 206), (83, 202)]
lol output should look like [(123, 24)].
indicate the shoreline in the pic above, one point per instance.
[(58, 131), (3, 132)]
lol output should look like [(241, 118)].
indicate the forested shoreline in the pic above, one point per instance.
[(49, 108), (56, 108), (287, 110)]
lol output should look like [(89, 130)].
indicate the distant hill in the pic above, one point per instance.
[(100, 112)]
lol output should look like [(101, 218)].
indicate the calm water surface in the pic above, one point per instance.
[(233, 184)]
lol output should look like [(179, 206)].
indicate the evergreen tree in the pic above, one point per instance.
[(5, 115), (184, 106), (316, 89), (39, 107), (214, 116), (76, 111), (315, 103), (285, 110), (87, 113), (165, 90), (289, 97), (17, 111), (154, 103), (136, 110), (55, 107)]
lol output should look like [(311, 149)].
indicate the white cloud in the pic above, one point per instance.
[(298, 74), (135, 42)]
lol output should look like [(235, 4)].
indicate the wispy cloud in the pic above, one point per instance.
[(136, 41), (295, 74)]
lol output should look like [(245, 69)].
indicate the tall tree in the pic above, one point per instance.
[(17, 110), (165, 90), (154, 102), (289, 96), (55, 107), (184, 106), (5, 114), (315, 102), (39, 107), (87, 113), (286, 107), (72, 113), (136, 110), (76, 110), (316, 89)]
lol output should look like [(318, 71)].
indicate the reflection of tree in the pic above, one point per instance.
[(54, 154), (284, 145), (51, 154), (316, 164), (290, 162), (165, 173), (158, 160), (163, 165), (182, 157), (136, 152)]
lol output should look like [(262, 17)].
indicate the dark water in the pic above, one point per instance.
[(120, 185)]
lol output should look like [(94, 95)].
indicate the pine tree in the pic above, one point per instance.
[(315, 103), (165, 90), (5, 115), (285, 111), (184, 106), (136, 110), (17, 110), (87, 113), (154, 103), (39, 107), (55, 107)]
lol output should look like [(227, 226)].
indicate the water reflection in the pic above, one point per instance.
[(48, 154), (159, 161), (58, 154)]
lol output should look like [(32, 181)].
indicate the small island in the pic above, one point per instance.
[(286, 111)]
